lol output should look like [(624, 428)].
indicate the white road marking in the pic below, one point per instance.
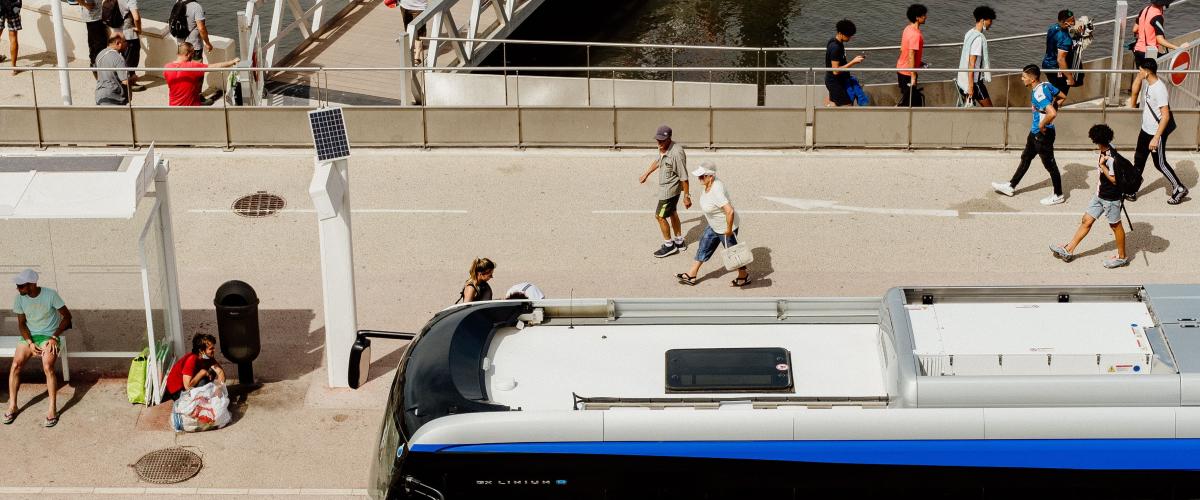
[(356, 211), (309, 492), (811, 204), (697, 212)]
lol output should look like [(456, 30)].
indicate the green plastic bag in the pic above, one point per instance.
[(135, 385)]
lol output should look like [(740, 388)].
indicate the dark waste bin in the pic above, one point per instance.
[(237, 326)]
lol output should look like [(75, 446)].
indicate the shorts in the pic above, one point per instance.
[(198, 54), (13, 22), (837, 92), (1110, 210), (981, 93), (40, 340), (709, 242), (1059, 82), (666, 208)]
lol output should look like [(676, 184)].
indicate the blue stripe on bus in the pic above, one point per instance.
[(1085, 454)]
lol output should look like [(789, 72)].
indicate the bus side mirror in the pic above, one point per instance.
[(360, 362), (360, 354)]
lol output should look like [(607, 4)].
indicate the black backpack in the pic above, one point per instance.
[(178, 21), (1129, 179), (110, 14)]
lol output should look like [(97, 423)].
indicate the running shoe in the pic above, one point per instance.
[(1178, 197), (1053, 199), (1004, 188), (1062, 253), (665, 250), (681, 245), (1115, 263)]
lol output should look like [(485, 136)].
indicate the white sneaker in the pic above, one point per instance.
[(1054, 199), (1003, 188)]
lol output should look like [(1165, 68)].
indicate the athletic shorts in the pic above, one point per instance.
[(981, 92), (666, 208), (1110, 210)]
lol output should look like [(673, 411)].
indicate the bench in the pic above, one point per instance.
[(8, 344)]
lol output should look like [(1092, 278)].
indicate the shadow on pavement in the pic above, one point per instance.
[(1074, 177), (1142, 239), (1186, 170)]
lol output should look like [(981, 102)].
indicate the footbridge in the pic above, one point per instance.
[(368, 34)]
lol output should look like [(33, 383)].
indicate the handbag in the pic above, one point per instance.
[(736, 256), (135, 385)]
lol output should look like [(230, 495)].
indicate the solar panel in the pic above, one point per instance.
[(329, 134)]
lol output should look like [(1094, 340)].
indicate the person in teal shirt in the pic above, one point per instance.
[(41, 318)]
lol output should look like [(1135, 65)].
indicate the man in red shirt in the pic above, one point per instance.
[(195, 368), (184, 86), (912, 46)]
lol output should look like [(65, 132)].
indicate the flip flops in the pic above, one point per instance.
[(50, 422), (8, 418), (686, 279), (740, 282)]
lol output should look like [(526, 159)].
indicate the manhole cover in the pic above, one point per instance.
[(169, 466), (260, 204)]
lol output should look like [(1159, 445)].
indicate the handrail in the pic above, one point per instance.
[(645, 69), (743, 49)]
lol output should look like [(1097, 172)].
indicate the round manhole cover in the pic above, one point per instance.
[(260, 204), (169, 466)]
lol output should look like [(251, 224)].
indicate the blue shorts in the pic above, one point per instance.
[(709, 241), (1110, 210)]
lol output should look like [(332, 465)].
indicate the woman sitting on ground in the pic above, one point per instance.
[(477, 287), (195, 368)]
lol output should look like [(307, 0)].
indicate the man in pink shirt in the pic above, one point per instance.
[(912, 46), (183, 87)]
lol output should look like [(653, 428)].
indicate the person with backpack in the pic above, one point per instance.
[(975, 61), (477, 288), (92, 13), (1149, 34), (1157, 124), (1117, 175), (1045, 99), (187, 25), (838, 83)]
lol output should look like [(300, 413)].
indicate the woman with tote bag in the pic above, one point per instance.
[(721, 229)]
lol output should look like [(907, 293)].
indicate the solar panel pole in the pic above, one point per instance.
[(330, 192)]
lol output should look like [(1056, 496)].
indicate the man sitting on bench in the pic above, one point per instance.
[(41, 318)]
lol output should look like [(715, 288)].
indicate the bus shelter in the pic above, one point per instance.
[(98, 229)]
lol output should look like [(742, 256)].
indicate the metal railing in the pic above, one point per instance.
[(520, 124)]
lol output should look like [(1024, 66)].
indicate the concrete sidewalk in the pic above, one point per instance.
[(577, 223)]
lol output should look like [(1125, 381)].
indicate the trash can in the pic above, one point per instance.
[(237, 326)]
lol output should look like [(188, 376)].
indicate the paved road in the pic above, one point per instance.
[(574, 222)]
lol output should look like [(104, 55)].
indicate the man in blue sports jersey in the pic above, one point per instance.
[(1060, 49), (1045, 98)]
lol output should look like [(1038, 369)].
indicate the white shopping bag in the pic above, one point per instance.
[(202, 408), (736, 256)]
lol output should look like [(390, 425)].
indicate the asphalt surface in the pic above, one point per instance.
[(575, 222)]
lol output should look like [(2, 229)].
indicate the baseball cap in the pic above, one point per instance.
[(706, 168), (26, 276), (663, 133)]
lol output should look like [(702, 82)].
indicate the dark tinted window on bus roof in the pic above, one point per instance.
[(740, 369)]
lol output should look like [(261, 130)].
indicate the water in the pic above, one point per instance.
[(797, 23)]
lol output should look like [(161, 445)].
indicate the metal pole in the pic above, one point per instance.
[(672, 77), (60, 52), (911, 90), (1114, 79), (225, 111), (37, 110)]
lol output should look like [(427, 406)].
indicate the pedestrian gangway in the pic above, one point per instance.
[(366, 33)]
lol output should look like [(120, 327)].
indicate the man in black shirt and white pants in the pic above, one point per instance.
[(1106, 203), (1157, 125)]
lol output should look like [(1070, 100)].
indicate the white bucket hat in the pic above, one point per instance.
[(26, 276)]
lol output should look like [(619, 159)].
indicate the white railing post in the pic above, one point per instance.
[(472, 28), (276, 22), (1114, 80), (406, 76), (60, 51)]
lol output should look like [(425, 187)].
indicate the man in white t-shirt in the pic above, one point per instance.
[(1157, 125), (974, 59)]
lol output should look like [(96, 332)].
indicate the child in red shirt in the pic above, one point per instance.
[(196, 368)]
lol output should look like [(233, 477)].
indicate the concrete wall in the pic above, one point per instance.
[(158, 47), (464, 89), (573, 126)]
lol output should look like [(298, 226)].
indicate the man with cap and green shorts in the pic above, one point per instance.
[(672, 180), (41, 318)]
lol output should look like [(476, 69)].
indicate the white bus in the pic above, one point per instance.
[(960, 392)]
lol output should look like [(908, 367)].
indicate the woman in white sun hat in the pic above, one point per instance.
[(722, 225)]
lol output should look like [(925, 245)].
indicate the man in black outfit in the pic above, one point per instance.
[(97, 32), (835, 57)]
